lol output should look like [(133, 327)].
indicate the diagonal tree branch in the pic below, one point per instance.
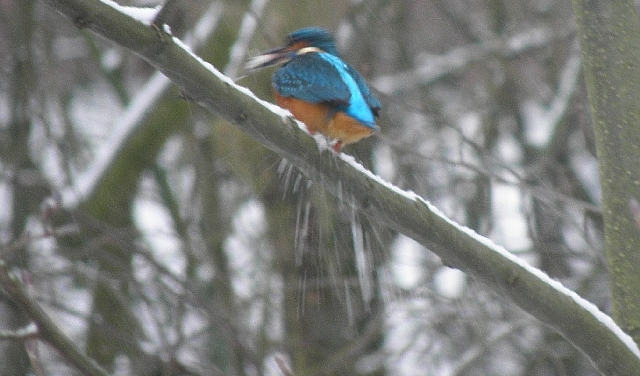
[(47, 330), (611, 351)]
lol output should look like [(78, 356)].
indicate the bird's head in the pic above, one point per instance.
[(310, 39)]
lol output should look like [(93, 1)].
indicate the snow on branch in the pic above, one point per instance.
[(147, 97), (430, 67)]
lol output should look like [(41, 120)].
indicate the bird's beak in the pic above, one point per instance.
[(272, 57)]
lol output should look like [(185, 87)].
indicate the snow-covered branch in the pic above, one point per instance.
[(431, 67)]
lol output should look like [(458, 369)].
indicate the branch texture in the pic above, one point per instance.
[(609, 33)]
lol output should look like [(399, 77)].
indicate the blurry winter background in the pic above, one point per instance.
[(164, 241)]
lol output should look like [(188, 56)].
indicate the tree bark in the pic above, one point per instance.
[(609, 32)]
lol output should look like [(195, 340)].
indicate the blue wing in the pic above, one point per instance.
[(313, 79), (369, 97)]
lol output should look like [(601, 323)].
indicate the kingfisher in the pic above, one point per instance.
[(319, 88)]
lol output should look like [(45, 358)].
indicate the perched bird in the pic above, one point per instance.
[(328, 95)]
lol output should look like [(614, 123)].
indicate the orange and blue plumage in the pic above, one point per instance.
[(319, 88)]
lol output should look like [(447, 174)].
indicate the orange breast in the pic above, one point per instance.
[(346, 129), (319, 118)]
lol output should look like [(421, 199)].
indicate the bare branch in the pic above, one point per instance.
[(165, 12), (47, 329)]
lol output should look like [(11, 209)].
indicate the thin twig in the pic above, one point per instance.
[(283, 366), (165, 12), (28, 331)]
